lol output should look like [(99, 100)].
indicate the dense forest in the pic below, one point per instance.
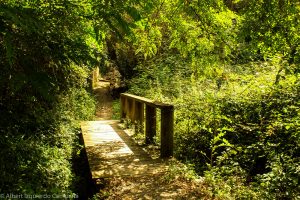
[(230, 67)]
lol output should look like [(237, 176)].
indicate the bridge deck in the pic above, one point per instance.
[(111, 152)]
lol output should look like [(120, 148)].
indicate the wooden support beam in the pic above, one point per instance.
[(150, 124), (130, 109), (126, 107), (139, 116), (123, 107), (145, 100), (167, 131)]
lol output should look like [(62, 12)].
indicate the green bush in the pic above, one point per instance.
[(227, 182), (38, 161), (243, 134)]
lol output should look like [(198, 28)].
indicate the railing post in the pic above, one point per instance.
[(123, 107), (150, 124), (130, 108), (126, 107), (167, 131), (139, 116)]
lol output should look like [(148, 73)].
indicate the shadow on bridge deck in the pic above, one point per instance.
[(112, 153)]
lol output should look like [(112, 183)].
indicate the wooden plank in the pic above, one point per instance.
[(146, 101), (139, 114), (111, 152)]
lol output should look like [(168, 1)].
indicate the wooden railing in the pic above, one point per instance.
[(134, 107)]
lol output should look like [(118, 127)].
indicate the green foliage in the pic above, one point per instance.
[(116, 109), (39, 162), (283, 181), (178, 170), (250, 122), (223, 185), (272, 27), (231, 70), (43, 54)]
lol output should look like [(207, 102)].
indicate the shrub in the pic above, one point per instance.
[(248, 123), (38, 144)]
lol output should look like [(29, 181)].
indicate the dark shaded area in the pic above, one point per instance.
[(116, 91), (84, 185)]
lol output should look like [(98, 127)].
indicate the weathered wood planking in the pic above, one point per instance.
[(111, 152)]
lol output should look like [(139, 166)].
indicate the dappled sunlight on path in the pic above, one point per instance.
[(126, 170), (112, 153)]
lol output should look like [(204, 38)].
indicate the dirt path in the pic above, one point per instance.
[(104, 101), (154, 187)]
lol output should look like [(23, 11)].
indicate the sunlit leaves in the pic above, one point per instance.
[(147, 39), (272, 26)]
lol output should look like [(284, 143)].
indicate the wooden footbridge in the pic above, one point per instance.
[(111, 151)]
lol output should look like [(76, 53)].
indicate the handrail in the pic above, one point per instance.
[(133, 107)]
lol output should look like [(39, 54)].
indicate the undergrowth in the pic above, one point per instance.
[(242, 135), (116, 109), (38, 146)]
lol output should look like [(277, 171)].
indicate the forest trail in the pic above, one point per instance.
[(123, 168), (104, 100)]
